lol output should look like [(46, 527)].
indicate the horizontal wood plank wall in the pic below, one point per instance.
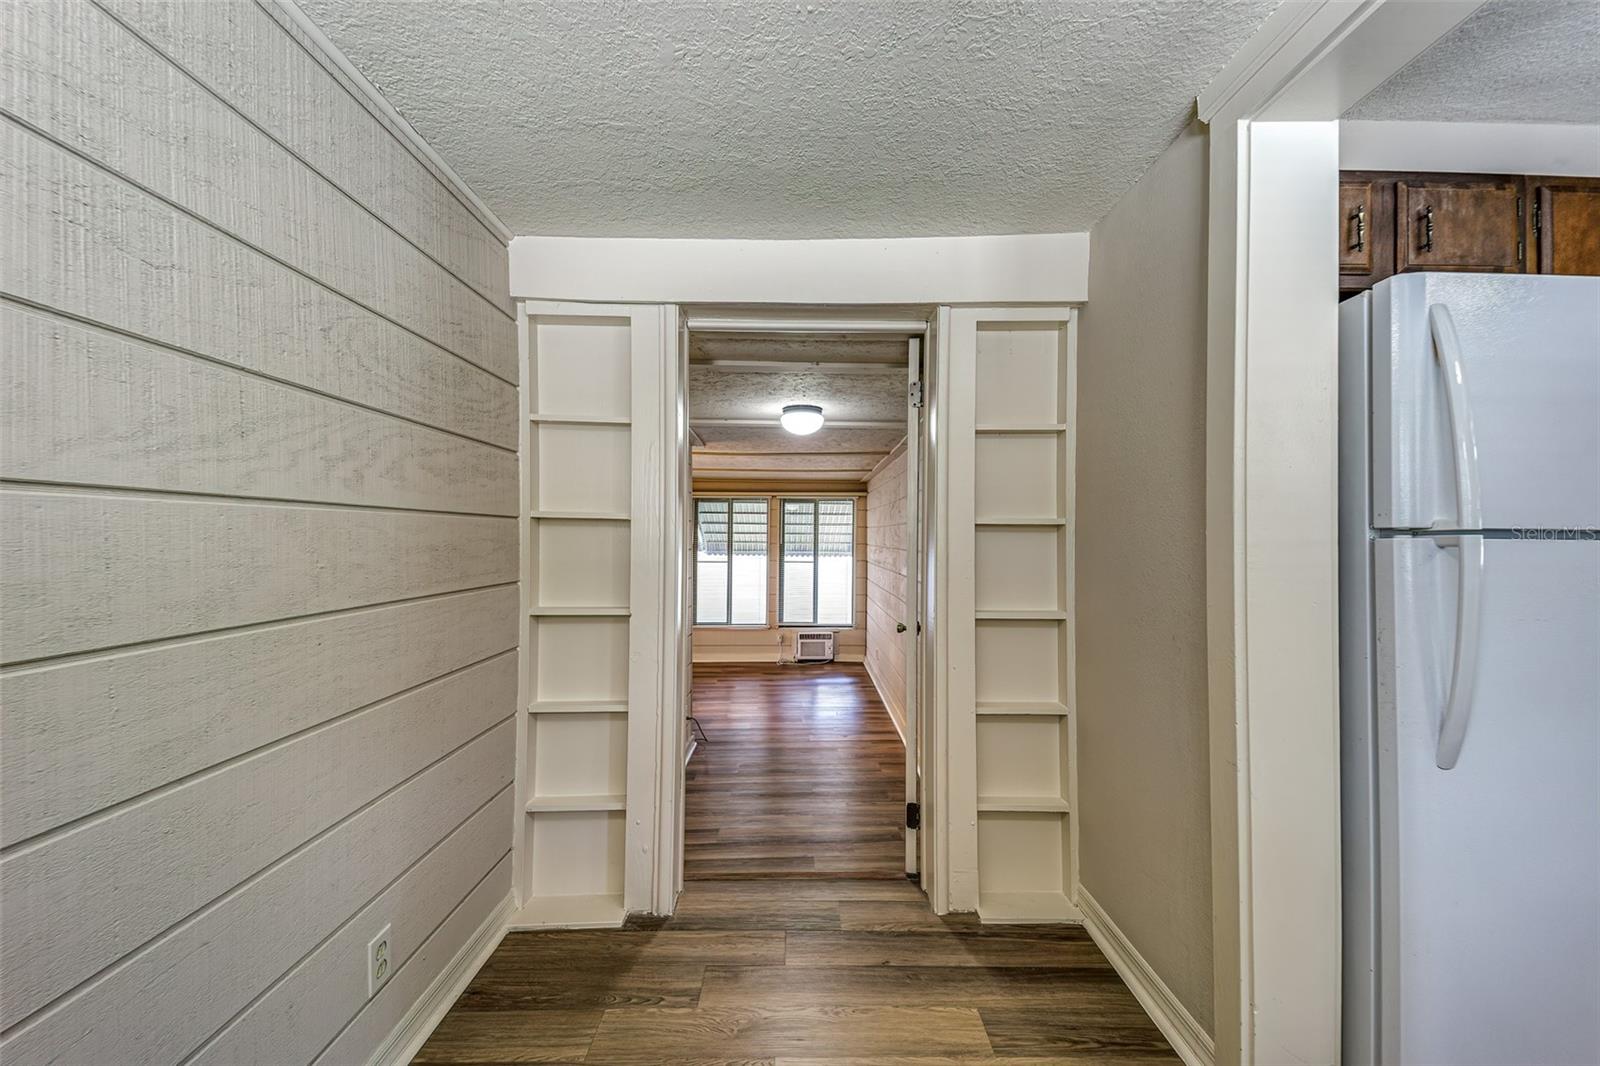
[(886, 585), (258, 551), (770, 643)]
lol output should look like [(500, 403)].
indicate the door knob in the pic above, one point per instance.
[(899, 627)]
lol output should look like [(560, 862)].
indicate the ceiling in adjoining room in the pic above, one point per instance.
[(739, 384), (831, 118), (1509, 61)]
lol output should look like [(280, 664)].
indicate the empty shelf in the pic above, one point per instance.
[(1016, 907), (1028, 427), (1022, 616), (1021, 707), (578, 707), (579, 612), (1020, 522), (1023, 804), (580, 516), (569, 912), (580, 420), (615, 802)]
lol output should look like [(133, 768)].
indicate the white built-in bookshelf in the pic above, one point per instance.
[(1022, 497), (572, 768)]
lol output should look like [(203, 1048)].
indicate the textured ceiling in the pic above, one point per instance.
[(887, 348), (1509, 61), (875, 394), (823, 118), (849, 397)]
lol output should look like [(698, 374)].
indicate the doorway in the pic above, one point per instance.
[(802, 593)]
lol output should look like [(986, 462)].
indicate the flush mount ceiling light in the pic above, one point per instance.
[(801, 419)]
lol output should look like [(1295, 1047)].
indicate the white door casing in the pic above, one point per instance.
[(1271, 558), (912, 601)]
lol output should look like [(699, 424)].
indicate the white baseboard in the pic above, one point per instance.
[(1193, 1044), (899, 726), (427, 1012)]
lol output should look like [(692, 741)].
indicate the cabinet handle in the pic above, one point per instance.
[(1427, 228), (1359, 217)]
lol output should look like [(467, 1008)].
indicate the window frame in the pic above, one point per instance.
[(728, 502), (816, 543)]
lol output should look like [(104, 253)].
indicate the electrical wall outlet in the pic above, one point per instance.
[(380, 963)]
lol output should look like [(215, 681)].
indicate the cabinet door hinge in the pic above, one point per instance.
[(915, 392), (913, 816)]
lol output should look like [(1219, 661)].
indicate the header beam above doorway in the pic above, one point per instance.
[(1051, 268)]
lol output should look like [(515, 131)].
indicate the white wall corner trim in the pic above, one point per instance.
[(899, 728), (1192, 1043), (288, 11), (418, 1023), (1015, 268), (1313, 59)]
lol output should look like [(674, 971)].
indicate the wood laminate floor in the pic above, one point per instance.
[(798, 942), (803, 776)]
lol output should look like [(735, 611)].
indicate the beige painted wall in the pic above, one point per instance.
[(886, 585), (771, 643), (257, 556), (1143, 784)]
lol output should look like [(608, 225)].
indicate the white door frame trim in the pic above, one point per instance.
[(912, 619), (1271, 510)]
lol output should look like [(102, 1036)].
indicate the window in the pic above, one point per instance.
[(818, 583), (731, 564)]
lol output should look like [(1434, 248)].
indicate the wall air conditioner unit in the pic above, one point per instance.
[(813, 646)]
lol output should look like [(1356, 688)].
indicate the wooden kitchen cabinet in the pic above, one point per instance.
[(1366, 230), (1564, 225), (1392, 223), (1463, 223)]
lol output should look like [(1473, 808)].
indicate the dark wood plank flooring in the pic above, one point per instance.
[(798, 941), (804, 775)]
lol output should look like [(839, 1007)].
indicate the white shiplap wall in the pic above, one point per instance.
[(258, 559)]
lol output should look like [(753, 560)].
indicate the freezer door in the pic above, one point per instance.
[(1489, 872), (1512, 414)]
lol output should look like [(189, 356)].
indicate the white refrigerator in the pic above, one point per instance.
[(1470, 670)]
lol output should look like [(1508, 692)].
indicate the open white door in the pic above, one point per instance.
[(911, 626)]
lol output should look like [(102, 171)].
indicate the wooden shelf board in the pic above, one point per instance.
[(580, 420), (1020, 522), (546, 804), (569, 912), (1023, 804), (1021, 908), (1026, 427), (580, 516), (578, 707), (1021, 616), (579, 612), (1017, 707)]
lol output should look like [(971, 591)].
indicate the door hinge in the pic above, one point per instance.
[(915, 392), (913, 816), (1538, 221)]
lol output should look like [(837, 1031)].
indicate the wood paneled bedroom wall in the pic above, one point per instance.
[(886, 584), (258, 441)]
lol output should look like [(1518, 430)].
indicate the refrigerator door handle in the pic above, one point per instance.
[(1464, 438), (1464, 668)]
